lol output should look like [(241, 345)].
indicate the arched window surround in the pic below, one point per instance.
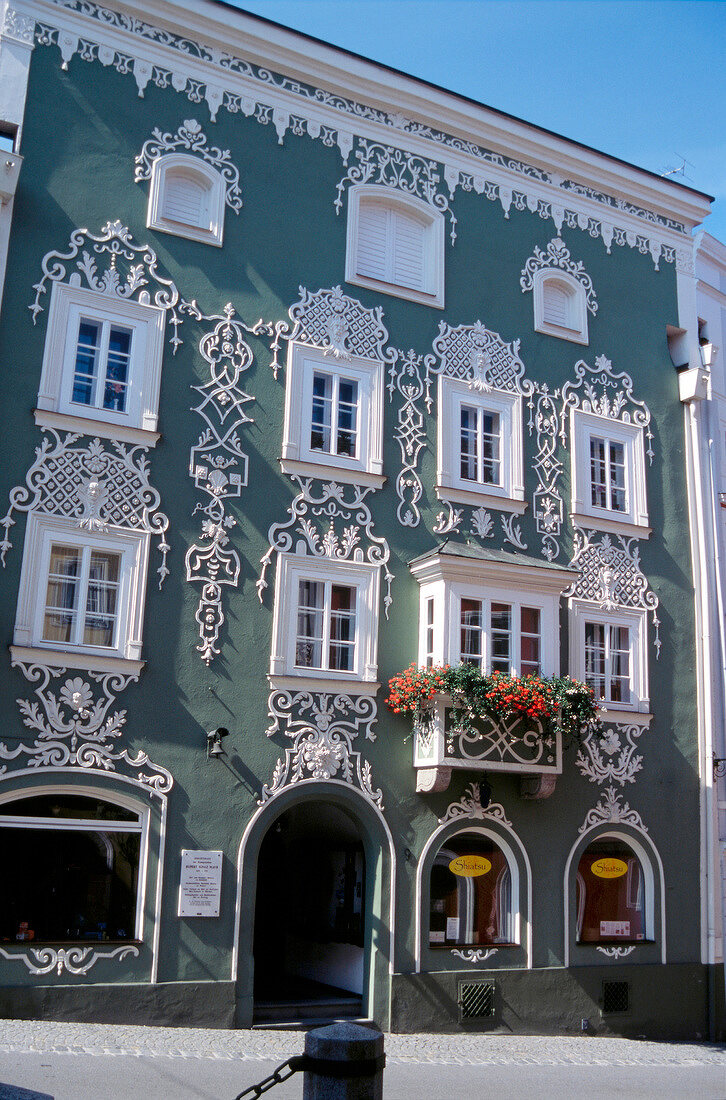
[(432, 293), (151, 806), (521, 885), (576, 328), (200, 172), (654, 901)]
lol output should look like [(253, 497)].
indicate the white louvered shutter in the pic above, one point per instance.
[(185, 200), (409, 251), (556, 305), (373, 229)]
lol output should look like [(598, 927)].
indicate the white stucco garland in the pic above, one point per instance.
[(225, 81), (75, 960), (190, 138), (557, 257)]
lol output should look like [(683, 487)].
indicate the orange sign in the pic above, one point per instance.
[(470, 866), (608, 867)]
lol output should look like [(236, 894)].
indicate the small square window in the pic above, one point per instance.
[(608, 474), (80, 591), (395, 244), (325, 620), (102, 363), (480, 446), (333, 418)]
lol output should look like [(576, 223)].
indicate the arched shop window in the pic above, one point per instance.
[(69, 868), (471, 893), (610, 894)]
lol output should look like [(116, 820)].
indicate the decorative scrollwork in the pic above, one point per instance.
[(329, 503), (612, 755), (406, 172), (513, 532), (610, 810), (474, 354), (191, 138), (512, 741), (340, 325), (76, 960), (449, 521), (608, 393), (131, 268), (405, 376), (475, 956), (610, 576), (547, 500), (558, 256), (616, 952), (322, 729), (482, 523), (95, 487), (217, 463), (73, 726), (470, 805)]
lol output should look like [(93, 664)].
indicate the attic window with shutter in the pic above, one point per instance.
[(560, 308), (395, 244), (187, 198)]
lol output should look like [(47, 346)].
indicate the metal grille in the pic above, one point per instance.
[(615, 997), (476, 1000)]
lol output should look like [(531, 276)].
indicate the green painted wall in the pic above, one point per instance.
[(82, 130)]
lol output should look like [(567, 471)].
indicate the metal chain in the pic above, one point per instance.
[(293, 1065)]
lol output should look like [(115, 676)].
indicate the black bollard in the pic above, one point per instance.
[(345, 1062)]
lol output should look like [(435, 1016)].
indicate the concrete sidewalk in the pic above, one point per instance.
[(117, 1062)]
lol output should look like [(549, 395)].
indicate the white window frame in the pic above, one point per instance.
[(365, 578), (297, 454), (582, 612), (433, 273), (446, 579), (138, 423), (42, 532), (509, 495), (585, 426), (576, 328), (200, 172), (142, 827)]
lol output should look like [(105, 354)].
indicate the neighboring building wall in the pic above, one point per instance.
[(711, 305), (283, 251)]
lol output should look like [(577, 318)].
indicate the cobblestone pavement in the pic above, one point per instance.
[(45, 1037)]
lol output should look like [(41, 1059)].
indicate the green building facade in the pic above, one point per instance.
[(311, 372)]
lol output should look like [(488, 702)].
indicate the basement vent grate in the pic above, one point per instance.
[(476, 1000), (615, 997)]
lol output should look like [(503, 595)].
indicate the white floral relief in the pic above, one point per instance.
[(611, 577), (612, 755), (616, 952), (218, 465), (482, 524), (329, 526), (610, 810), (470, 805), (96, 486), (323, 728), (129, 271), (513, 532), (608, 393), (190, 138), (72, 725), (75, 960), (448, 521), (387, 166), (557, 256), (409, 433)]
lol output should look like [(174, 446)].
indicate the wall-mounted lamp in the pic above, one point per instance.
[(214, 742)]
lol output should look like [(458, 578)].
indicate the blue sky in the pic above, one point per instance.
[(644, 80)]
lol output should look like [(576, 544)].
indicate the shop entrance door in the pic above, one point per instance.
[(309, 945)]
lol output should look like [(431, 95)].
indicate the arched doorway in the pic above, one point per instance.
[(312, 924)]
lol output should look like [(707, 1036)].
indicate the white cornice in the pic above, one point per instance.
[(230, 33)]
